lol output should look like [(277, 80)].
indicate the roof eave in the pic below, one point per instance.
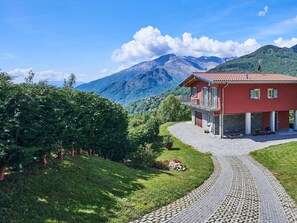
[(256, 82), (209, 81), (182, 84)]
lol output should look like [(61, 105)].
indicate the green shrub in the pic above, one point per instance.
[(143, 157), (171, 110), (142, 129), (37, 119), (167, 142)]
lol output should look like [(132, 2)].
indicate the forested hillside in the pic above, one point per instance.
[(152, 103), (271, 59)]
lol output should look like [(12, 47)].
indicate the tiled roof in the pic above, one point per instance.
[(245, 77), (240, 78)]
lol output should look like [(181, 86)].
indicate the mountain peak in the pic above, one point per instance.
[(165, 58), (148, 78), (267, 48), (272, 59)]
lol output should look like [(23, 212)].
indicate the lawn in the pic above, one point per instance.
[(91, 189), (281, 160)]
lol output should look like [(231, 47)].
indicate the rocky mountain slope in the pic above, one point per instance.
[(149, 78)]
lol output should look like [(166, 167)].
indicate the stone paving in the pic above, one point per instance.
[(239, 190), (166, 213)]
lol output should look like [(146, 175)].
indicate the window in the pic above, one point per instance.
[(255, 94), (214, 93), (194, 91), (272, 93), (205, 96)]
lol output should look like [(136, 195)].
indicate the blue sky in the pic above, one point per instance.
[(96, 38)]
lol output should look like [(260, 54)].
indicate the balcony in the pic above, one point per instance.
[(212, 106)]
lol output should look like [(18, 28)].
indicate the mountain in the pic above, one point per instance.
[(149, 78), (272, 59), (61, 83), (294, 48)]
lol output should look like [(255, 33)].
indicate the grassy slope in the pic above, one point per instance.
[(281, 160), (84, 189)]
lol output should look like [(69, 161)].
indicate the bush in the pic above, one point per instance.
[(163, 165), (37, 119), (167, 142), (143, 157), (142, 129)]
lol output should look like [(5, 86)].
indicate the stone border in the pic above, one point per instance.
[(165, 213)]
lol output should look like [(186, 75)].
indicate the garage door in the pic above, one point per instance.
[(198, 119)]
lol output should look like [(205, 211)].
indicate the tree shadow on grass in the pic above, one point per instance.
[(174, 148), (79, 189)]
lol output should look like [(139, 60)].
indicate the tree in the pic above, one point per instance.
[(169, 109), (70, 82), (5, 77), (29, 79)]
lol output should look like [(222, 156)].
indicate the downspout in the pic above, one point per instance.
[(223, 109)]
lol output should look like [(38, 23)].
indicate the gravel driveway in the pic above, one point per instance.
[(194, 136), (239, 190)]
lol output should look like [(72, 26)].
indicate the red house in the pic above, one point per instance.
[(227, 103)]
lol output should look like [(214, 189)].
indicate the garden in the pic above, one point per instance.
[(69, 156)]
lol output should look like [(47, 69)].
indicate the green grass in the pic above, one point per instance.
[(91, 189), (281, 160)]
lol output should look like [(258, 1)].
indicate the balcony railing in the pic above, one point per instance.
[(196, 103)]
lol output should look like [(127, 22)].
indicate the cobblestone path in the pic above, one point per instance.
[(239, 190)]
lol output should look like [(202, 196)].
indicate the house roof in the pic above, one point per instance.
[(239, 78)]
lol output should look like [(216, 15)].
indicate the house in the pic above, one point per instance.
[(227, 103)]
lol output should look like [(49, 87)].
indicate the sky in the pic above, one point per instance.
[(95, 38)]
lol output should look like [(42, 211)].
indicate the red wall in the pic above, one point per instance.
[(237, 98), (198, 119), (283, 119), (199, 85)]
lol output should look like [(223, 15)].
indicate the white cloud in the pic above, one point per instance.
[(121, 67), (149, 43), (291, 21), (104, 71), (264, 12), (19, 75), (285, 42), (7, 56), (280, 28)]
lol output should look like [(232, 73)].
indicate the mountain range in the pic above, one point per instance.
[(149, 78), (271, 59)]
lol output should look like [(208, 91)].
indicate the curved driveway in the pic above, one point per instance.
[(239, 190)]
